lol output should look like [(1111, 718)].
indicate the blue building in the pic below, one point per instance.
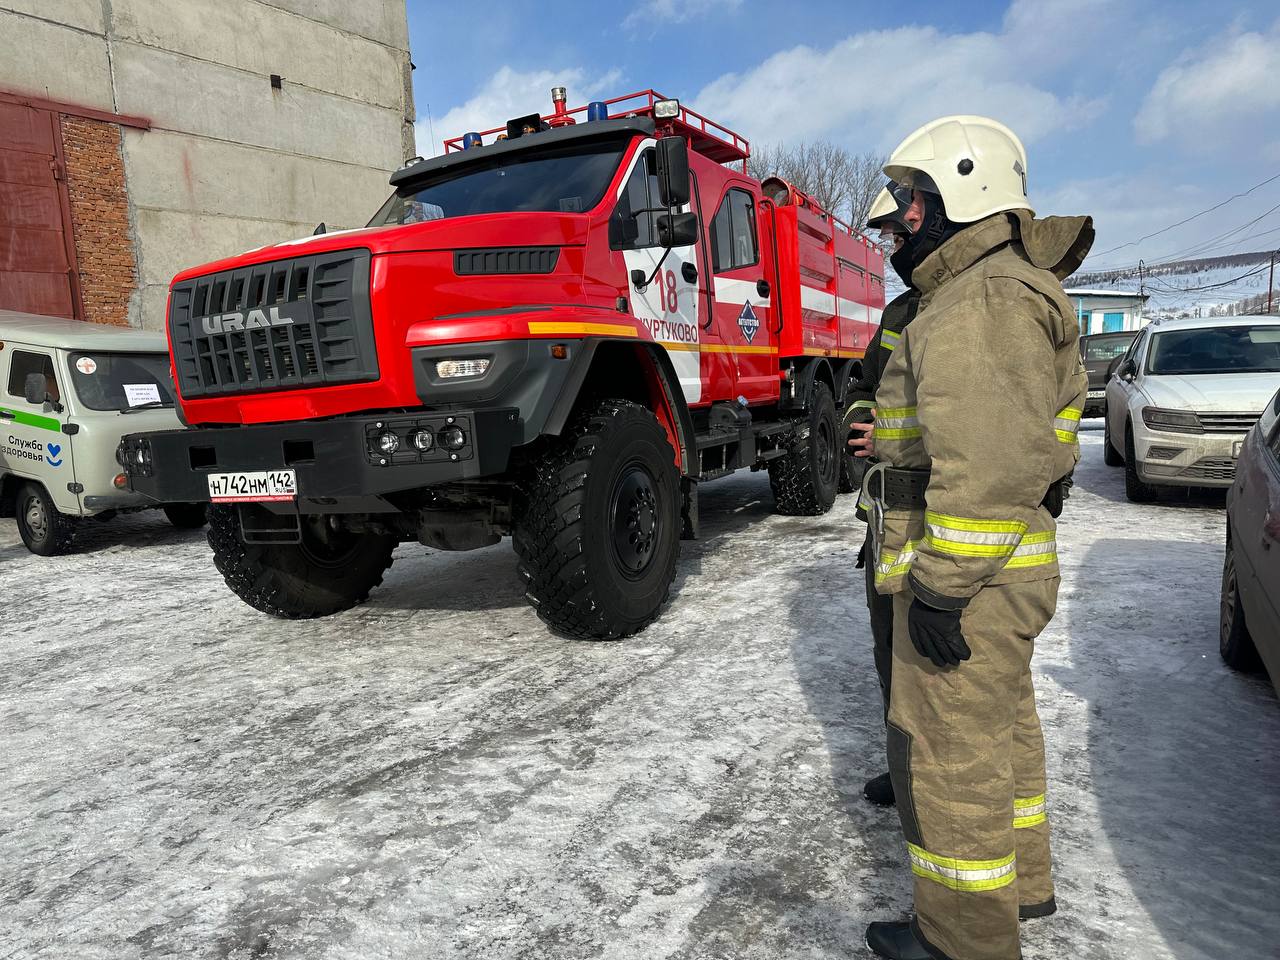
[(1105, 311)]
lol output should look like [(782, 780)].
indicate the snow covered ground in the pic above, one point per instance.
[(434, 775)]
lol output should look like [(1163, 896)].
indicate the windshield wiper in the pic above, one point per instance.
[(150, 404)]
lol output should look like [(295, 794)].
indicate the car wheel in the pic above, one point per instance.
[(44, 530), (1135, 488), (1110, 455), (1234, 642)]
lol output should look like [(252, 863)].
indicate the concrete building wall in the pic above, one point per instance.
[(229, 162)]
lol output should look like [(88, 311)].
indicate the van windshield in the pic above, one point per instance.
[(121, 381), (569, 179), (1236, 349)]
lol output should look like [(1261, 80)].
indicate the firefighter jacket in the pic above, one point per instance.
[(985, 390), (900, 312)]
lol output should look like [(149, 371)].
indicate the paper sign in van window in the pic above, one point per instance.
[(139, 393)]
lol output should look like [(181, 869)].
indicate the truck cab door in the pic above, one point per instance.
[(33, 444), (740, 241)]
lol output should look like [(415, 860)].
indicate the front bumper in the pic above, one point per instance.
[(1186, 460), (337, 465)]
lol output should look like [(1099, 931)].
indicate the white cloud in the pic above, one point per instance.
[(1225, 94), (870, 89), (511, 93), (657, 13)]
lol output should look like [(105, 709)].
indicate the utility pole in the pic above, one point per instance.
[(1271, 279)]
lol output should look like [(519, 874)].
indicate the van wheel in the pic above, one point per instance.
[(1110, 455), (804, 482), (43, 529), (1234, 642), (597, 525), (1135, 488), (327, 572), (186, 516)]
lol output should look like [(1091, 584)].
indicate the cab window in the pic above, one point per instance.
[(24, 363), (632, 225), (733, 232)]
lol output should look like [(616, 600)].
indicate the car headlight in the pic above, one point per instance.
[(453, 369), (1174, 421)]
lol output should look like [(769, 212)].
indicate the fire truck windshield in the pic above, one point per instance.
[(568, 179)]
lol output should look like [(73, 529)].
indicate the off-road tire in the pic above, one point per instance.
[(1135, 488), (44, 531), (186, 516), (851, 468), (298, 581), (611, 474), (1234, 642), (1110, 455), (804, 481)]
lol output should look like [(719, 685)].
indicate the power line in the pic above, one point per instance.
[(1212, 286), (1194, 216)]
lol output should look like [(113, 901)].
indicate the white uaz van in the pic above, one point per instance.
[(68, 392)]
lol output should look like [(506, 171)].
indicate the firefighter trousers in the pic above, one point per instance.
[(967, 759), (880, 613)]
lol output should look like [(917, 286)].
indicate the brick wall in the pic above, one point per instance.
[(100, 217)]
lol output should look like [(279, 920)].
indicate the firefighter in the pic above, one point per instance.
[(976, 421), (886, 216)]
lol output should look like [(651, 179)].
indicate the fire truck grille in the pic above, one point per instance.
[(467, 263), (274, 326)]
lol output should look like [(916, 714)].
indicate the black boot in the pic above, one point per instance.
[(1033, 911), (879, 790), (897, 940)]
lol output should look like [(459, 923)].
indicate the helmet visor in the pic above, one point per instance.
[(911, 181)]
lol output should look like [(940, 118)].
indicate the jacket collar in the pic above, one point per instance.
[(962, 251)]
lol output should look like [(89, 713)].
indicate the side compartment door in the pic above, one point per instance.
[(32, 443), (670, 305), (742, 263)]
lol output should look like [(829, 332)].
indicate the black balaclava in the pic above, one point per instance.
[(935, 229), (901, 262)]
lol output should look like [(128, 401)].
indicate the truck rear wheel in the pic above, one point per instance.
[(852, 468), (44, 530), (327, 572), (804, 482), (597, 527)]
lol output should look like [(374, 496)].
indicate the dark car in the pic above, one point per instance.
[(1250, 621), (1098, 350)]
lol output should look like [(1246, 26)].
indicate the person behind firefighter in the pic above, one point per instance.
[(975, 430), (886, 216)]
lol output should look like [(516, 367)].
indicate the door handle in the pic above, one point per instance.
[(689, 271), (6, 414), (762, 287)]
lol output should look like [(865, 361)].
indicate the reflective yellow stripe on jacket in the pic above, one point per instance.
[(889, 339), (897, 423), (967, 875), (968, 537), (1067, 424), (1028, 811)]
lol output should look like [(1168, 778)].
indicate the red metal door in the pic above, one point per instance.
[(37, 250)]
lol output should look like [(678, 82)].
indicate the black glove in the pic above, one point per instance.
[(936, 634)]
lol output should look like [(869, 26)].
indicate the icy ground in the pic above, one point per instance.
[(435, 776)]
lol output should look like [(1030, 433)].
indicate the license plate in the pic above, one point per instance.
[(1236, 448), (255, 487), (1097, 394)]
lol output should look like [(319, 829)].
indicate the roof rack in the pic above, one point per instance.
[(707, 137)]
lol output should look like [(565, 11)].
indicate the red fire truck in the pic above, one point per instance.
[(555, 330)]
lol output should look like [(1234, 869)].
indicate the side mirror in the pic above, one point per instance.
[(678, 230), (673, 172), (33, 388)]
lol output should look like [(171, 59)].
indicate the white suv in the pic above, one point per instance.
[(1183, 397)]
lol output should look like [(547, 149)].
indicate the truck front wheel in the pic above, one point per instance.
[(327, 572), (598, 524), (804, 481)]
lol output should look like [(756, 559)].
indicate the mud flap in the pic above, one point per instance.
[(899, 749)]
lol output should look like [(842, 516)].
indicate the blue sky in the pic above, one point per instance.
[(1139, 112)]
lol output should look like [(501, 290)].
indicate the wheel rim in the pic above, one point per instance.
[(1227, 605), (825, 446), (36, 519), (635, 522), (326, 547)]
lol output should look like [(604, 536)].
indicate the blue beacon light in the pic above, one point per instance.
[(470, 140), (597, 110)]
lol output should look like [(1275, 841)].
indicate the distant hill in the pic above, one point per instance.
[(1209, 286)]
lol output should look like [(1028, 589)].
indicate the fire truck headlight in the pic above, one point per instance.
[(388, 442), (452, 369), (452, 438), (666, 109), (422, 440)]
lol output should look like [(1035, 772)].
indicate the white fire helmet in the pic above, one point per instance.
[(978, 165), (885, 211)]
